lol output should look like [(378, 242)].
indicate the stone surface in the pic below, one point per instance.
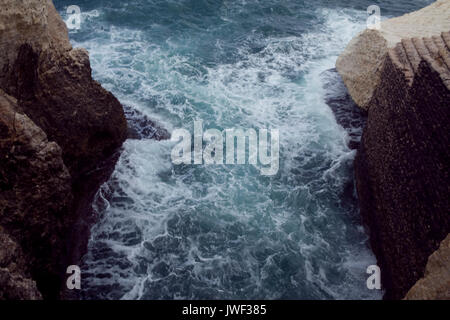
[(141, 127), (35, 196), (435, 285), (15, 283), (347, 114), (402, 165), (361, 62), (40, 69), (57, 126)]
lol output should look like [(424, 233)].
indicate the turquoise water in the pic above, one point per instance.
[(227, 232)]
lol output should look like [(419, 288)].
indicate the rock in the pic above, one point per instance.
[(141, 127), (351, 118), (361, 62), (402, 165), (435, 285), (40, 68), (57, 127), (400, 74), (15, 284), (35, 197)]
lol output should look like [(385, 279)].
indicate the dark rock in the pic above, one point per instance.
[(16, 282), (141, 127), (402, 166), (348, 115), (35, 197), (60, 132)]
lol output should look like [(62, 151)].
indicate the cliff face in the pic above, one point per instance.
[(40, 68), (402, 165), (56, 125)]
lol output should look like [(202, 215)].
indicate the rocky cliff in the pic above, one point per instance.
[(402, 165), (56, 125)]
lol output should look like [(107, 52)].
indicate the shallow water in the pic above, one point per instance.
[(227, 232)]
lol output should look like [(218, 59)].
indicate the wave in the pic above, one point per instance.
[(225, 232)]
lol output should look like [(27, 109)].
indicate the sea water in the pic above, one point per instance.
[(168, 231)]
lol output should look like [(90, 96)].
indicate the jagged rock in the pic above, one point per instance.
[(351, 118), (361, 62), (54, 86), (15, 284), (57, 125), (402, 166), (142, 127), (435, 285), (35, 197)]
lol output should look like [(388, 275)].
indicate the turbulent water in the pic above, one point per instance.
[(227, 232)]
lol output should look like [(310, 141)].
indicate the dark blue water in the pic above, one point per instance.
[(226, 232)]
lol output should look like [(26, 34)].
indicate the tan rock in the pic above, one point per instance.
[(360, 63), (34, 22), (435, 285)]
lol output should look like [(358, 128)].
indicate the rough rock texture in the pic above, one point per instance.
[(56, 126), (402, 166), (16, 283), (141, 127), (43, 70), (351, 118), (35, 188), (361, 62), (435, 285)]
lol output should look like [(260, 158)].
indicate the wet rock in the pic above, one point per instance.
[(141, 127), (351, 118)]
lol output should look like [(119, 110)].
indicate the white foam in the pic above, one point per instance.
[(278, 87)]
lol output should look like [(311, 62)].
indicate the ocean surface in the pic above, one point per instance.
[(227, 232)]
